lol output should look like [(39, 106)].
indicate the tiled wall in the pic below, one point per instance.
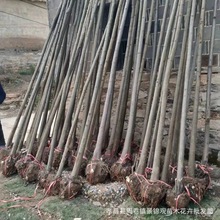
[(207, 34)]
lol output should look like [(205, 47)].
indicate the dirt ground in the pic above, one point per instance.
[(21, 201)]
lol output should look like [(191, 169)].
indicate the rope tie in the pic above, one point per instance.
[(206, 170), (126, 157), (188, 193)]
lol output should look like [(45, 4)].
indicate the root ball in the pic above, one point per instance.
[(69, 188), (42, 178), (8, 165), (32, 171), (52, 185), (152, 193), (96, 172), (134, 182), (119, 171), (195, 187), (176, 202)]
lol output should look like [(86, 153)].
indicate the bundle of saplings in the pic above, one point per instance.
[(73, 127)]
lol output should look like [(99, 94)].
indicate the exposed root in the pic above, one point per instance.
[(96, 172)]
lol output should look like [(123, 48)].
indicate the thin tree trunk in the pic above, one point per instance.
[(136, 77), (34, 84), (176, 97), (180, 165), (208, 94), (43, 59), (81, 147), (154, 74), (73, 127), (143, 157), (108, 58), (155, 34), (157, 155), (154, 138), (109, 95), (193, 140), (78, 42), (94, 48), (118, 123)]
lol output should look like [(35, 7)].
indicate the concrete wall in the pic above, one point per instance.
[(52, 8), (23, 24)]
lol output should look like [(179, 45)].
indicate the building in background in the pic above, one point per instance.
[(53, 5), (207, 34), (23, 24)]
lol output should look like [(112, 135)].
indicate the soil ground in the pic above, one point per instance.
[(19, 201)]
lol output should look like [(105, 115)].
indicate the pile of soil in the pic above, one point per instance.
[(110, 194)]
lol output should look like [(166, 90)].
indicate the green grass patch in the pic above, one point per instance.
[(7, 213), (28, 71), (76, 208), (17, 186), (82, 208), (165, 213)]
